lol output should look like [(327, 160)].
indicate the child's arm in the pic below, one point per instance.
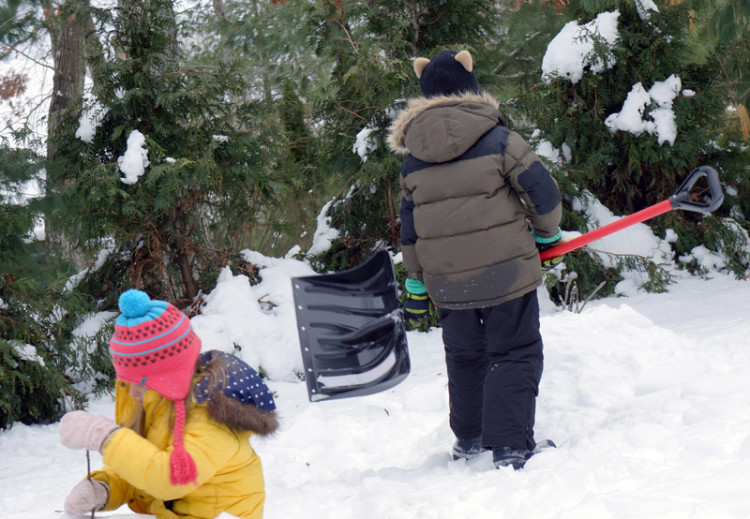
[(534, 185), (141, 464), (118, 488), (408, 236)]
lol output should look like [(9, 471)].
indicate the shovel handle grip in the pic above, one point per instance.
[(679, 200)]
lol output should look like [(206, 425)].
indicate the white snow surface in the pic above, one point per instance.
[(364, 144), (645, 8), (89, 122), (660, 120), (135, 160), (646, 396), (572, 50)]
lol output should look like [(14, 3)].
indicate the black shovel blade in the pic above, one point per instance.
[(351, 331)]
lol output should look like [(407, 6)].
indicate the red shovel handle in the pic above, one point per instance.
[(580, 241), (679, 200)]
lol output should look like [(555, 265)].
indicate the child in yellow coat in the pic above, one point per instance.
[(179, 447)]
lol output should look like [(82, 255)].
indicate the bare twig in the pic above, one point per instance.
[(591, 296)]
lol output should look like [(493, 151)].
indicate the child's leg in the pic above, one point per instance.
[(512, 383), (467, 362)]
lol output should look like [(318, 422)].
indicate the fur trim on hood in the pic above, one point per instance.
[(234, 393), (417, 105), (240, 417)]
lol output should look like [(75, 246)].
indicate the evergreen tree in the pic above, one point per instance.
[(39, 360), (523, 40), (174, 171), (628, 172), (371, 45), (723, 26), (264, 42)]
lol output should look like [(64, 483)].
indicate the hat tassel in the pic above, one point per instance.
[(181, 464)]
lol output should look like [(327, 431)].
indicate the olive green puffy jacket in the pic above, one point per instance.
[(471, 193)]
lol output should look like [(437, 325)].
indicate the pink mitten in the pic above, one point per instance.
[(86, 496), (81, 430)]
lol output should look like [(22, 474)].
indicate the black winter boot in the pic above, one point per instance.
[(467, 449), (517, 458)]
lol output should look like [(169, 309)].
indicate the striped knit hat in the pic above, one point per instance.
[(155, 346)]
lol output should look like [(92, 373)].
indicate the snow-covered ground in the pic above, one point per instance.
[(647, 397)]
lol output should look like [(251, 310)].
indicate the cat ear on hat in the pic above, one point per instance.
[(465, 59), (419, 65)]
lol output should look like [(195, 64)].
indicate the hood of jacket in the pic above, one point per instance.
[(440, 129), (235, 394)]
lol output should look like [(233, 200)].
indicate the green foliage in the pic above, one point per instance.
[(41, 361), (29, 391), (630, 172), (19, 169), (298, 136), (521, 48), (587, 271), (31, 368), (371, 46), (731, 240), (16, 24), (208, 174), (723, 27)]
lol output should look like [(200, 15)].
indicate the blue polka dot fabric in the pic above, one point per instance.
[(242, 383)]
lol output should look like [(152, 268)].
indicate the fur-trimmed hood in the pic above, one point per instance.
[(442, 128), (234, 394)]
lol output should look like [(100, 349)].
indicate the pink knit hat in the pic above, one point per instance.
[(155, 346)]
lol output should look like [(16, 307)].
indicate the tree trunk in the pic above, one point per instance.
[(186, 272), (66, 26)]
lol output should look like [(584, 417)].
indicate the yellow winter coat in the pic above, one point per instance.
[(230, 477)]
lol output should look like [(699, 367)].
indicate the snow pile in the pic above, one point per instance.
[(645, 8), (365, 143), (544, 148), (324, 233), (135, 160), (89, 122), (662, 118), (256, 323), (636, 240), (572, 50), (101, 259), (645, 396)]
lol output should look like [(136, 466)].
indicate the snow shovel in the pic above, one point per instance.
[(679, 200), (351, 331)]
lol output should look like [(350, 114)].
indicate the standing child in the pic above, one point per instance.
[(179, 447), (477, 205)]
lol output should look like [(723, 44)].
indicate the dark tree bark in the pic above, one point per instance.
[(66, 24)]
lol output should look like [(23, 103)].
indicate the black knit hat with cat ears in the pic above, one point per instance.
[(447, 74)]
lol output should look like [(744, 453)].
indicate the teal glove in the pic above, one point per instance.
[(543, 244), (417, 302)]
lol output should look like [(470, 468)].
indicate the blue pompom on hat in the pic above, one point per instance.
[(137, 308)]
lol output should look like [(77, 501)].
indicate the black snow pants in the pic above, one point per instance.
[(494, 359)]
